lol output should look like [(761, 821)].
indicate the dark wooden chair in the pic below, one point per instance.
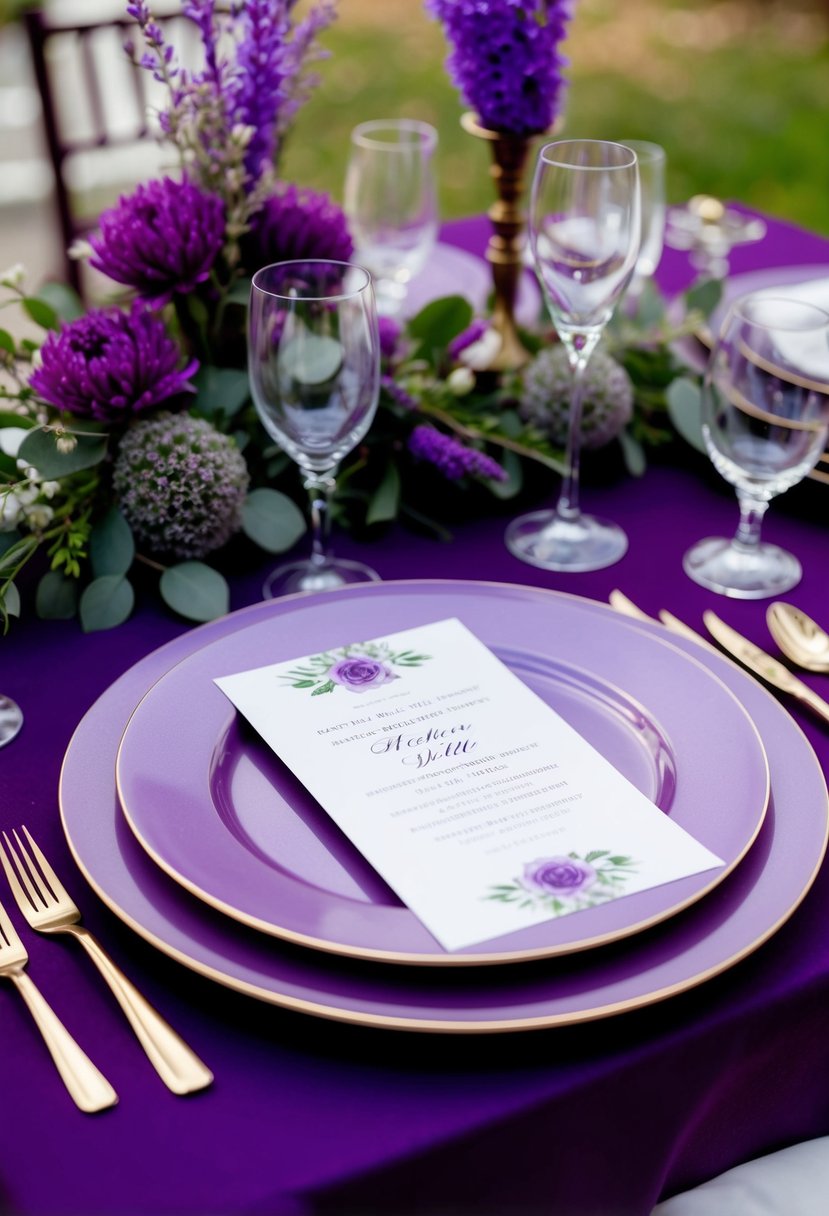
[(95, 104)]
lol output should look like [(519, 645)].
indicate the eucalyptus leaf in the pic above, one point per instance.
[(7, 418), (7, 342), (65, 302), (434, 327), (111, 546), (17, 553), (633, 453), (105, 603), (10, 600), (56, 598), (239, 292), (7, 539), (650, 308), (385, 500), (221, 390), (39, 449), (704, 296), (42, 314), (511, 464), (195, 591), (684, 402), (272, 520)]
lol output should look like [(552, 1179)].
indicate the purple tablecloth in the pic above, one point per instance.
[(308, 1116)]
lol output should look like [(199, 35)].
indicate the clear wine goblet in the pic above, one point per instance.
[(391, 203), (765, 422), (652, 159), (314, 364), (584, 225)]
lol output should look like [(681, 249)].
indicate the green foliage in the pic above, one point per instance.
[(272, 520), (195, 591), (106, 602)]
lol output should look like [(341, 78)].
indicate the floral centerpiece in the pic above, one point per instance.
[(127, 436)]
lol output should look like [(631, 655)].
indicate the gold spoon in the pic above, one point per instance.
[(798, 636)]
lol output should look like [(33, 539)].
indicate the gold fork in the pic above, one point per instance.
[(89, 1087), (47, 906)]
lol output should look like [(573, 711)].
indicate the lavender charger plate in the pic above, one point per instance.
[(731, 922), (223, 816)]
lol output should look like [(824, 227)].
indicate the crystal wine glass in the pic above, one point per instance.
[(314, 363), (651, 158), (584, 226), (391, 203), (11, 719), (765, 421)]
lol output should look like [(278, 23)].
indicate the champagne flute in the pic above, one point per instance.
[(391, 203), (765, 422), (584, 233), (314, 364), (651, 159)]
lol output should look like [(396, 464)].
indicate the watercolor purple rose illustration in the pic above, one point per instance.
[(559, 885), (361, 667)]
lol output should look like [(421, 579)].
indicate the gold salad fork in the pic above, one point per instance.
[(89, 1087), (47, 906)]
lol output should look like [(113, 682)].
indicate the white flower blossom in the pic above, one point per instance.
[(39, 516), (460, 381), (14, 276), (479, 355)]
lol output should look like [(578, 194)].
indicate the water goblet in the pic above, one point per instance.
[(765, 422), (584, 226), (314, 364), (391, 203), (652, 159)]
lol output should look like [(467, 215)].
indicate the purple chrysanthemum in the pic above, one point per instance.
[(181, 485), (297, 224), (111, 365), (505, 59), (161, 239), (452, 458)]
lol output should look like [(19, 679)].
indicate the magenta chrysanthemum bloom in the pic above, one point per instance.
[(111, 366), (505, 59), (161, 239), (297, 224), (452, 458)]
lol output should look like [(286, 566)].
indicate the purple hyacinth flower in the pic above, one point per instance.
[(111, 366), (467, 337), (162, 239), (452, 458), (505, 59)]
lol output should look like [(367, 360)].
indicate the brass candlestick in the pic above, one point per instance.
[(505, 251)]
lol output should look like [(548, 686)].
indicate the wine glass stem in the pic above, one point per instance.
[(320, 487), (579, 350), (752, 511)]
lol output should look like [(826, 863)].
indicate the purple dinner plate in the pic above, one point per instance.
[(221, 814), (706, 939)]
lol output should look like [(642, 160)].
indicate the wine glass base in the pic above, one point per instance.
[(11, 720), (578, 545), (756, 574), (311, 576)]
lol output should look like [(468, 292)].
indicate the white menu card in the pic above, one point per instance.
[(476, 802)]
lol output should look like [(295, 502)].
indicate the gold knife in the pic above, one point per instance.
[(763, 665)]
